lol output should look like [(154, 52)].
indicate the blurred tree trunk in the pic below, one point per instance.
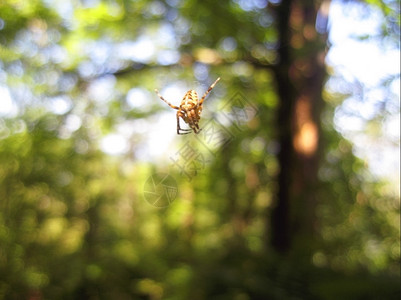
[(299, 76)]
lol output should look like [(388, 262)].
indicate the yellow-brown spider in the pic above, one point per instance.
[(189, 110)]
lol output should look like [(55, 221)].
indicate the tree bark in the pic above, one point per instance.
[(299, 76)]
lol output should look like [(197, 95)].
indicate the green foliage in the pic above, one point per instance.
[(74, 223)]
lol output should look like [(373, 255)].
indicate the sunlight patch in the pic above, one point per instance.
[(114, 144)]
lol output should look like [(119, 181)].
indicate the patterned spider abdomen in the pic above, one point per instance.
[(190, 100), (190, 110)]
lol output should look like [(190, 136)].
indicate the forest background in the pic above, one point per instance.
[(290, 191)]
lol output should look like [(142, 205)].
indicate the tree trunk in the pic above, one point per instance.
[(299, 76)]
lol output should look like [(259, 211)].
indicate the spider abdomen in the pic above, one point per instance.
[(190, 100)]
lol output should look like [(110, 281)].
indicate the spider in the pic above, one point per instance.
[(189, 110)]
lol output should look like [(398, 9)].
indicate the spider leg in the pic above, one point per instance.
[(179, 127), (208, 91), (169, 104), (197, 129)]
